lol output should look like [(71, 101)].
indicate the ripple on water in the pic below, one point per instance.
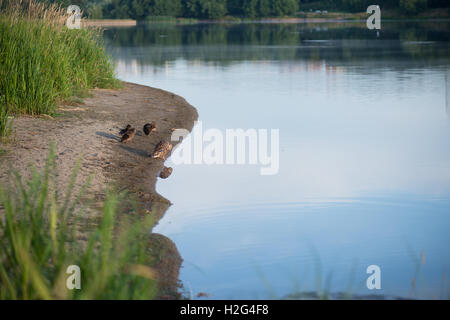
[(241, 246)]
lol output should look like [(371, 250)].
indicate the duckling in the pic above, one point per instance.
[(123, 131), (162, 149), (149, 127), (128, 136), (165, 172)]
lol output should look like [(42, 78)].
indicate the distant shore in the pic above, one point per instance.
[(308, 18)]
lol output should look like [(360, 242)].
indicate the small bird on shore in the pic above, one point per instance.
[(123, 131), (128, 136), (149, 127), (161, 150), (165, 172)]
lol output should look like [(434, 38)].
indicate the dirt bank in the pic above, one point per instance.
[(90, 131), (108, 23)]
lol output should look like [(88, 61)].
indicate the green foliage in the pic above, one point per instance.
[(306, 5), (216, 9), (42, 62), (5, 122), (140, 9), (412, 6), (94, 11), (250, 8), (234, 7), (205, 9), (199, 9), (284, 7), (165, 8), (355, 5), (119, 9), (39, 239), (264, 8)]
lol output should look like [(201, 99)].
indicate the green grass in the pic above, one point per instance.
[(42, 62), (5, 123), (40, 237)]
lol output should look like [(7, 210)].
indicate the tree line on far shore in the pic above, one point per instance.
[(217, 9)]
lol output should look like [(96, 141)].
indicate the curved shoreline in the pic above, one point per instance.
[(89, 130)]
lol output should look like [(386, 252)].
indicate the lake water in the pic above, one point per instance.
[(364, 162)]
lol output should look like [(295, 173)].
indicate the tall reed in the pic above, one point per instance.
[(5, 122), (42, 62)]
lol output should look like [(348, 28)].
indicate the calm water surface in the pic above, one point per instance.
[(364, 172)]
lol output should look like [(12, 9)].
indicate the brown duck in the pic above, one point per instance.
[(123, 131), (149, 127), (128, 136), (165, 172), (161, 150)]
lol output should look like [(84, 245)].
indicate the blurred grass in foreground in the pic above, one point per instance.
[(39, 240)]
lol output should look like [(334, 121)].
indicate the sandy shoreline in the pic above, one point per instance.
[(307, 18), (108, 23), (89, 131)]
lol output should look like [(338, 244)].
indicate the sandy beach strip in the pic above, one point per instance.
[(90, 131), (108, 23)]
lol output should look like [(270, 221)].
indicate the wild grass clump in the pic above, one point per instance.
[(40, 239), (5, 123), (42, 62)]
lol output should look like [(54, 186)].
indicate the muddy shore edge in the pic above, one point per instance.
[(89, 130)]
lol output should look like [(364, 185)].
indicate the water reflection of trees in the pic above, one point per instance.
[(447, 93), (223, 44)]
